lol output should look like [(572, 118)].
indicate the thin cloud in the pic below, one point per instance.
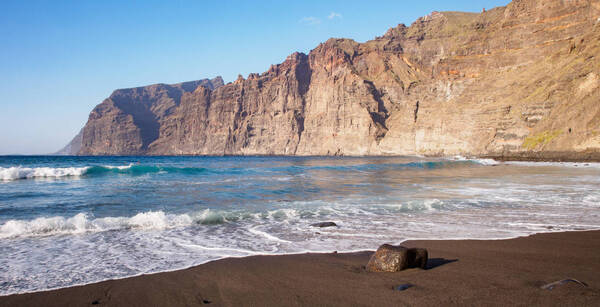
[(334, 15), (310, 20)]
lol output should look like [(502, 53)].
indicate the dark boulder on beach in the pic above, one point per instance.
[(389, 258), (324, 224)]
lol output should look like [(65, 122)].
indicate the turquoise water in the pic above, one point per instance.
[(75, 220)]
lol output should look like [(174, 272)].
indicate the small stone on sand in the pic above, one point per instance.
[(324, 224), (403, 287)]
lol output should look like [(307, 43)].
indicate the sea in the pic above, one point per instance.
[(68, 221)]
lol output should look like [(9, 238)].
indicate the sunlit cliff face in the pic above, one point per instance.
[(515, 81)]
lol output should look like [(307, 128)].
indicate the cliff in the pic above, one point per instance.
[(73, 147), (521, 81), (128, 121)]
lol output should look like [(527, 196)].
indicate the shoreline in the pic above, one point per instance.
[(314, 252), (451, 261), (571, 157), (575, 157)]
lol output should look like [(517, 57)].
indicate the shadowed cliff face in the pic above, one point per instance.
[(515, 81), (129, 120)]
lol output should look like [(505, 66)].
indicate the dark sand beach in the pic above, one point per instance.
[(463, 272)]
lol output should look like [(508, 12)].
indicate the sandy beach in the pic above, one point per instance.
[(462, 272)]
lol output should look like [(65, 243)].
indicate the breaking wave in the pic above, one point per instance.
[(19, 172), (14, 173), (481, 161), (82, 223), (159, 220), (132, 169)]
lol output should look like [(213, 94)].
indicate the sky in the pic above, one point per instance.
[(59, 59)]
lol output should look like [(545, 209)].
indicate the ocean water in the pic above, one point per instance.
[(73, 220)]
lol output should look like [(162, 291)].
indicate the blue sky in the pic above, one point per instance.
[(58, 59)]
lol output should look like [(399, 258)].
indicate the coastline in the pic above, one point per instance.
[(460, 272), (567, 156), (547, 156), (556, 157)]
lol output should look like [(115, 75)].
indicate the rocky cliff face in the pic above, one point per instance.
[(521, 81), (73, 147), (128, 121)]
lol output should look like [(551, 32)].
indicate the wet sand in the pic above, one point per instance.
[(464, 272)]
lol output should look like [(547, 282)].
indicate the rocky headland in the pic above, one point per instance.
[(514, 82)]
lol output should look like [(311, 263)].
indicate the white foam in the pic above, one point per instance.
[(81, 223), (119, 167), (220, 249), (556, 164), (592, 200), (266, 235), (486, 161), (527, 163), (476, 160), (46, 226), (283, 213), (18, 172), (419, 205), (151, 220)]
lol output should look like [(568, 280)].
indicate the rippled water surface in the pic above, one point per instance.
[(74, 220)]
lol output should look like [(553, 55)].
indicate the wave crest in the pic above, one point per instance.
[(19, 172), (15, 173), (81, 223)]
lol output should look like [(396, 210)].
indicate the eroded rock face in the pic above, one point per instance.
[(129, 120), (73, 147), (389, 258), (515, 81)]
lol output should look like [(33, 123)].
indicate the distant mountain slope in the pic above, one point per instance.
[(73, 147), (521, 81)]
